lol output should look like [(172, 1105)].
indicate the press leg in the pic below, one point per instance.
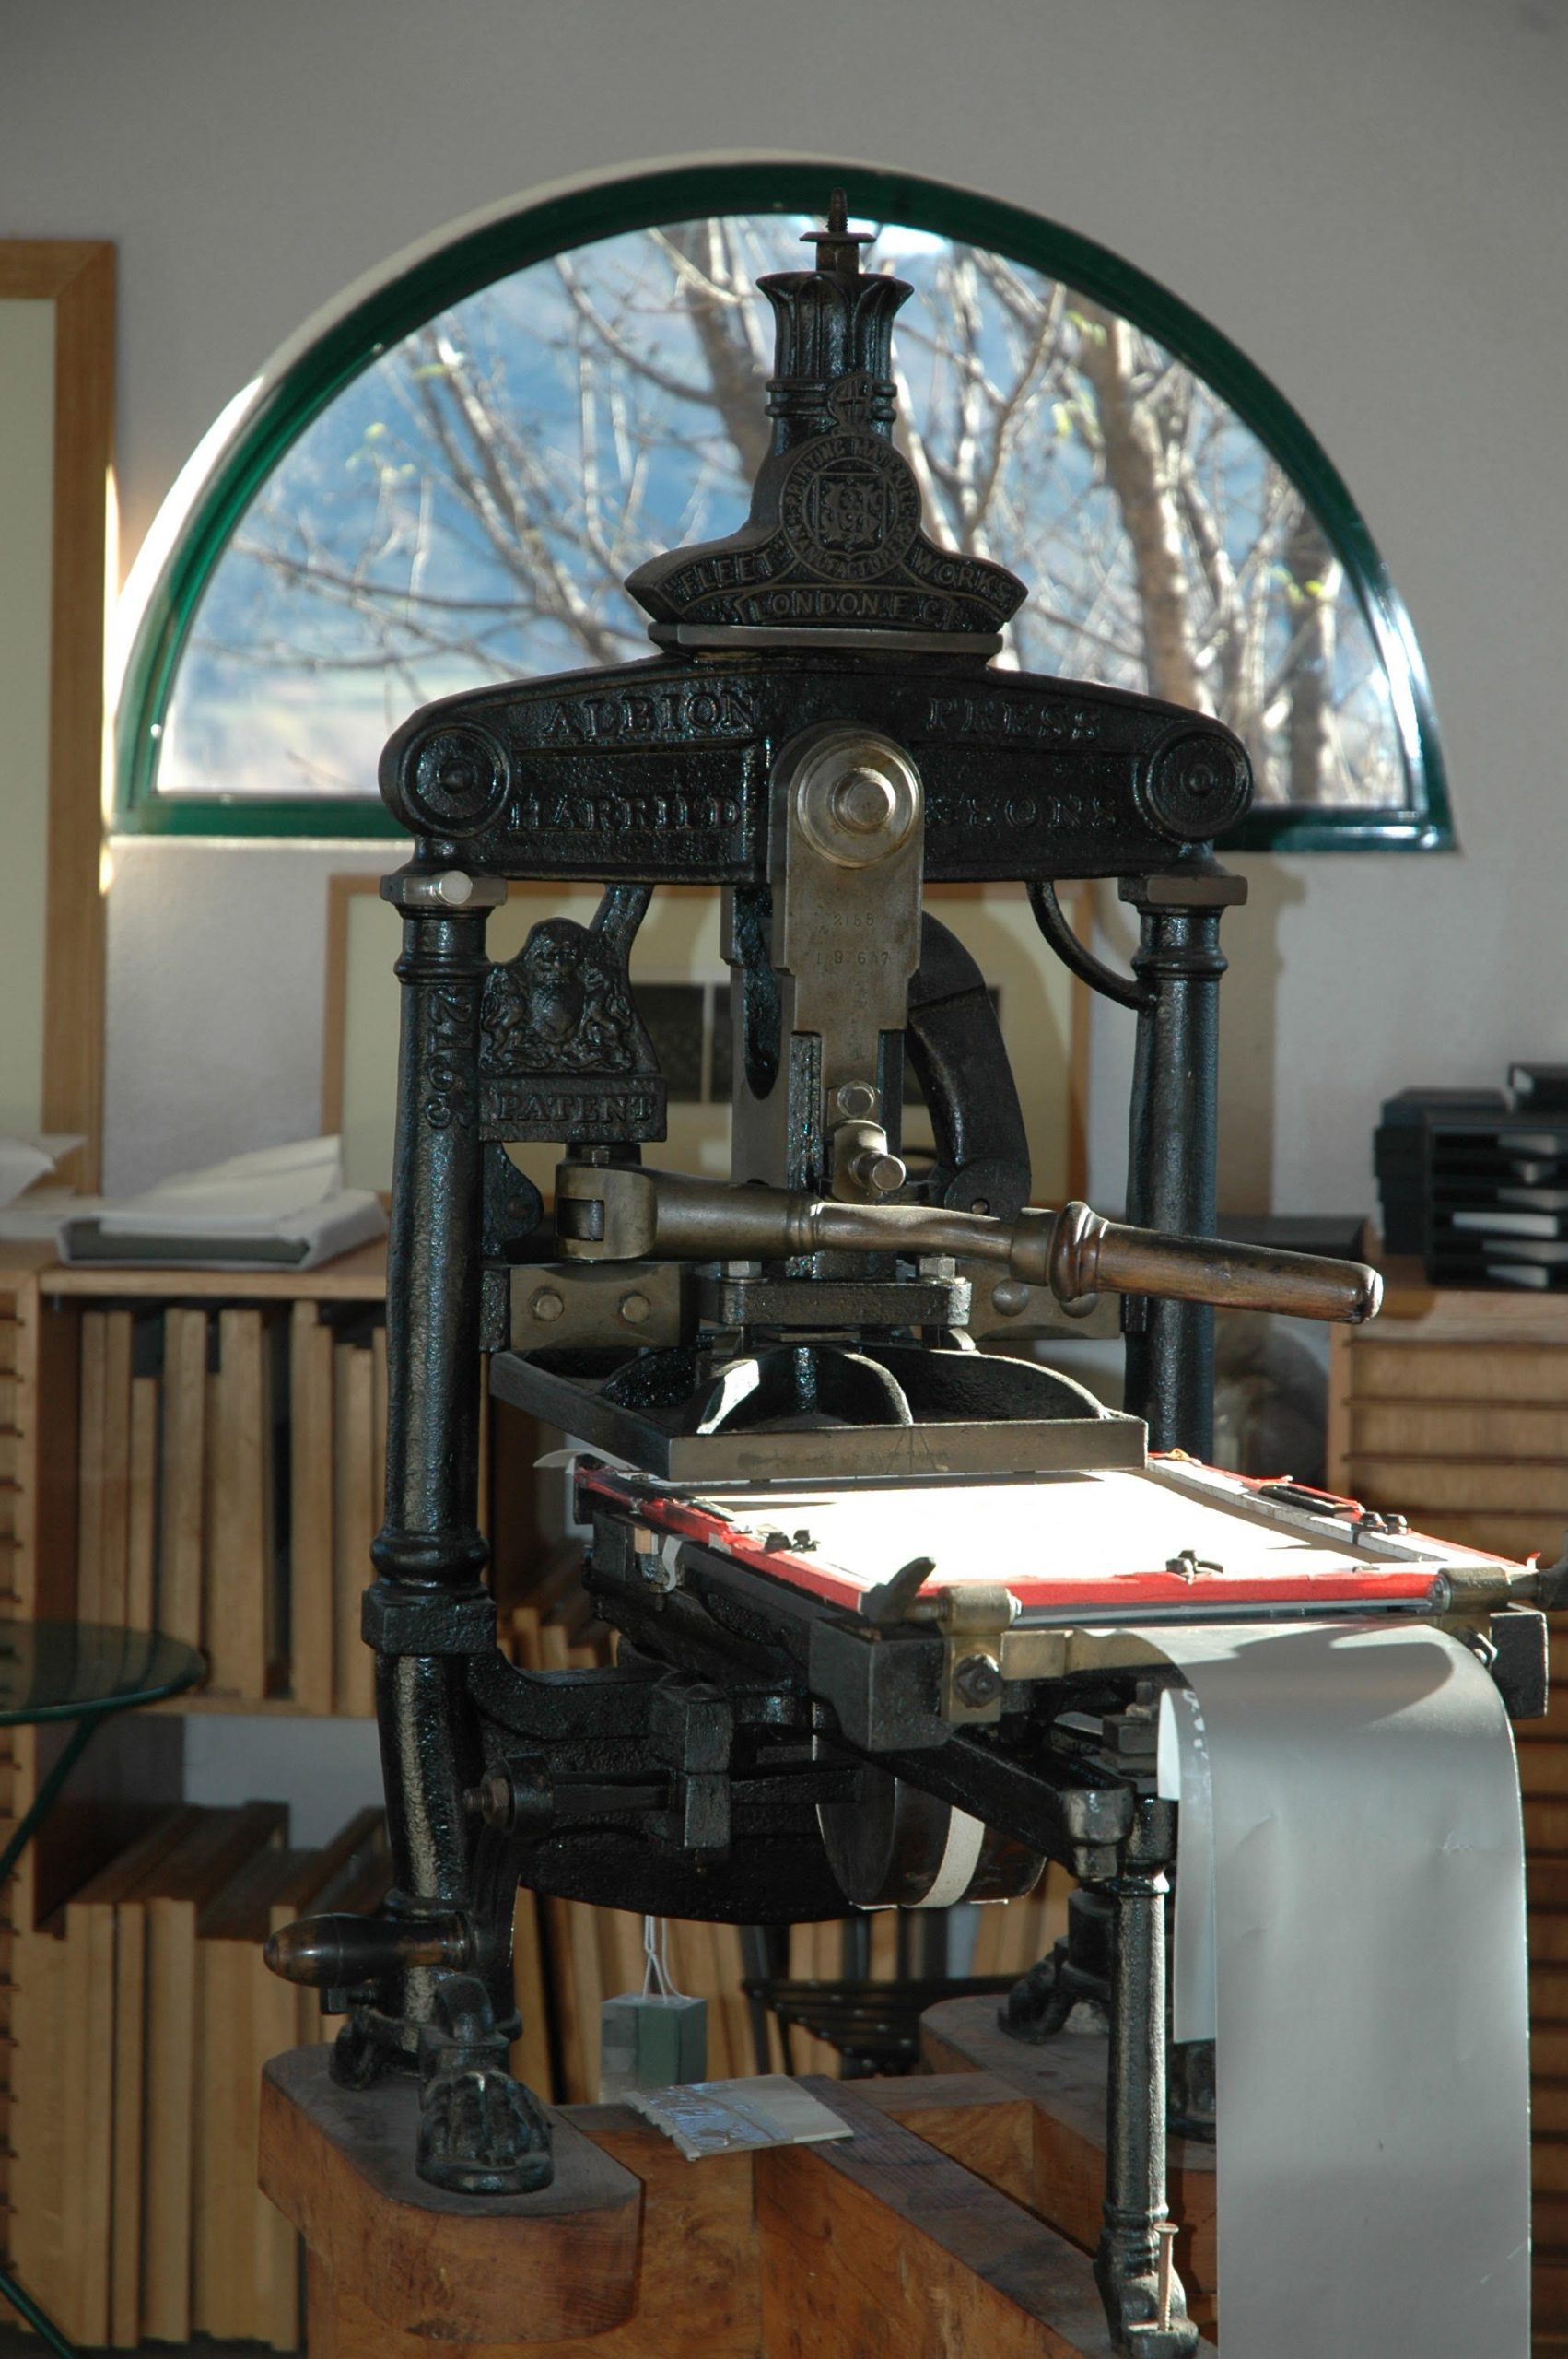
[(1143, 2297), (428, 1610)]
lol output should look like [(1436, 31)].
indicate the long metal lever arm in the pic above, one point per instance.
[(1087, 1254), (627, 1213)]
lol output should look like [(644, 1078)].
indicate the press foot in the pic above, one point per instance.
[(358, 2060), (481, 2132), (1053, 1997), (1147, 2311)]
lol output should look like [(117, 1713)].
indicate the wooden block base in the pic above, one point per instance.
[(916, 2235), (339, 2164), (883, 2244), (697, 2268)]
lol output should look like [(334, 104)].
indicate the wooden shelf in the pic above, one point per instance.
[(1458, 1314), (360, 1277)]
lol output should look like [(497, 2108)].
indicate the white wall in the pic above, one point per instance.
[(1371, 201), (324, 1770)]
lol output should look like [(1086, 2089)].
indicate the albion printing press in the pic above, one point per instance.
[(883, 1593)]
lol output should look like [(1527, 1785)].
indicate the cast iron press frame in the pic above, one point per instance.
[(825, 677)]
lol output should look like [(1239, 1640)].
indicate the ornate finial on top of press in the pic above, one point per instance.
[(834, 553), (838, 246)]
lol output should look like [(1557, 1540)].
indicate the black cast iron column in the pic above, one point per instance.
[(429, 1607), (1127, 2264), (1135, 2128), (1171, 1143)]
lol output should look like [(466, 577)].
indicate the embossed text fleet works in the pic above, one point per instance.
[(729, 586)]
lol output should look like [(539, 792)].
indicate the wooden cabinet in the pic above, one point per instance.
[(1452, 1408), (219, 1437), (195, 1451)]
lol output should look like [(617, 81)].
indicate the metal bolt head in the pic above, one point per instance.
[(856, 1100), (977, 1679), (856, 795), (634, 1309), (1009, 1297), (546, 1305), (447, 889), (1372, 1519), (863, 800), (878, 1173)]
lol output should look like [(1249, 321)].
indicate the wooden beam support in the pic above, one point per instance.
[(339, 2164), (976, 2118), (881, 2245), (694, 2260), (913, 2235)]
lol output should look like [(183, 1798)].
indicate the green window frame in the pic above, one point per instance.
[(649, 200)]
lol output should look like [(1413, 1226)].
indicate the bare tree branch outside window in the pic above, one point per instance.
[(468, 509)]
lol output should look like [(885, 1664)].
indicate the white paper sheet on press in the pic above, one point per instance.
[(1121, 1520), (1350, 1922)]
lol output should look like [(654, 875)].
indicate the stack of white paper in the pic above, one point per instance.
[(286, 1205), (723, 2116), (23, 1162)]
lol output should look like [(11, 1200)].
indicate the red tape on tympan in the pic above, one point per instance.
[(1332, 1585)]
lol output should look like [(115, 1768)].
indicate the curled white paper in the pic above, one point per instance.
[(1350, 1842)]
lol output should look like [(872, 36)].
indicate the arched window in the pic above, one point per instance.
[(450, 484)]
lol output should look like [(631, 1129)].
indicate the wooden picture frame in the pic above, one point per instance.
[(56, 489), (680, 940)]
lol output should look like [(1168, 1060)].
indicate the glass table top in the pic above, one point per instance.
[(68, 1671)]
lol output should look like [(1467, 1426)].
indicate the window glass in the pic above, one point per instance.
[(466, 509)]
